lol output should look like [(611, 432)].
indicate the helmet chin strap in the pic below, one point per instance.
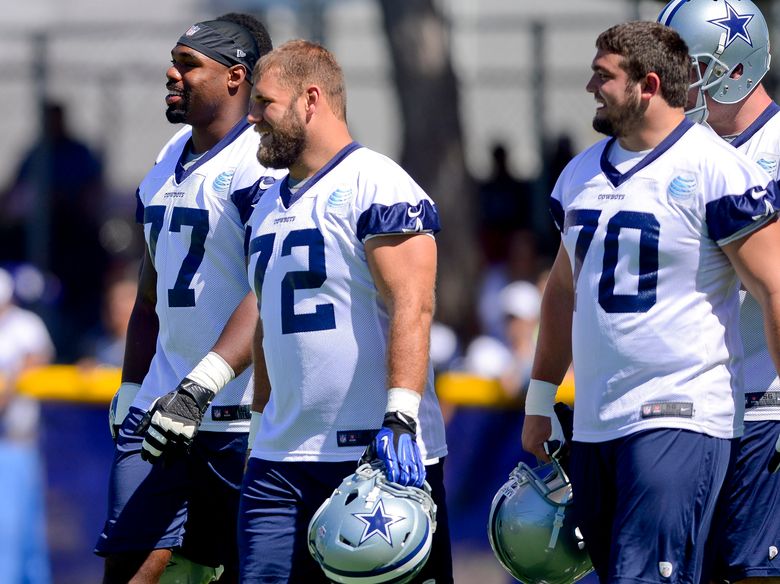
[(557, 524), (560, 514)]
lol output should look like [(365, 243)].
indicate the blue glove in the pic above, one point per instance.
[(395, 445)]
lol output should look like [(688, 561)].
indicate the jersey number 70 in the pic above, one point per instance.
[(649, 229)]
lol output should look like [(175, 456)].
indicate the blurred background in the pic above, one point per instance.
[(482, 102)]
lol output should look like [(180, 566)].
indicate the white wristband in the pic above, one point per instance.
[(540, 398), (212, 372), (406, 401), (254, 426)]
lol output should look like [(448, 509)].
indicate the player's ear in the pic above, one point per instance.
[(651, 85), (236, 75), (313, 97)]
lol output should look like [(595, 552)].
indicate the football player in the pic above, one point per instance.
[(656, 223), (729, 44), (184, 402), (343, 261)]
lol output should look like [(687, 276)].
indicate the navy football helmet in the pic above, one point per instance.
[(372, 531), (531, 528), (721, 35)]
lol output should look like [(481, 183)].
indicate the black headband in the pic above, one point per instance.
[(224, 41)]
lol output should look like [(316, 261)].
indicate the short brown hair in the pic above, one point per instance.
[(651, 47), (300, 62)]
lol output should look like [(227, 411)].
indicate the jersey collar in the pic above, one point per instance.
[(181, 173), (757, 124), (288, 198), (613, 174)]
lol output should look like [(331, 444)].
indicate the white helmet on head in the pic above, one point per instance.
[(372, 531), (721, 35)]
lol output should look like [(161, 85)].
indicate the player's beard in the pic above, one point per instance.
[(620, 120), (177, 114), (286, 142)]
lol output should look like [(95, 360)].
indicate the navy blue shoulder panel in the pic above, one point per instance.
[(139, 207), (245, 199), (556, 210), (730, 214), (397, 219)]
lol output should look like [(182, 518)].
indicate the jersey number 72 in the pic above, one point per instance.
[(323, 318)]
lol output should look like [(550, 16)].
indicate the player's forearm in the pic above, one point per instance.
[(409, 344), (141, 342), (235, 343), (553, 349)]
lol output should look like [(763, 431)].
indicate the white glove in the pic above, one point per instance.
[(120, 406)]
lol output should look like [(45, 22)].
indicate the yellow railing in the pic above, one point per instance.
[(471, 390), (98, 384), (70, 383)]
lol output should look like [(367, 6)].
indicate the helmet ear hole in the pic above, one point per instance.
[(346, 542), (351, 497)]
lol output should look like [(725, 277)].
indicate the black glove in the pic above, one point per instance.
[(396, 446), (173, 420)]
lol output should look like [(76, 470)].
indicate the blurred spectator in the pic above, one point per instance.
[(24, 343), (510, 363), (522, 262), (557, 154), (445, 354), (56, 198), (505, 205), (107, 345), (495, 430), (444, 347)]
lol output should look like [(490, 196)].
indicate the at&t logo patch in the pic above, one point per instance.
[(222, 182), (683, 187), (340, 197)]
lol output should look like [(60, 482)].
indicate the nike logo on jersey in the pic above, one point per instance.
[(414, 213), (768, 210)]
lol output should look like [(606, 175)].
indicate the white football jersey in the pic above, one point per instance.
[(193, 223), (324, 325), (760, 142), (655, 329)]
